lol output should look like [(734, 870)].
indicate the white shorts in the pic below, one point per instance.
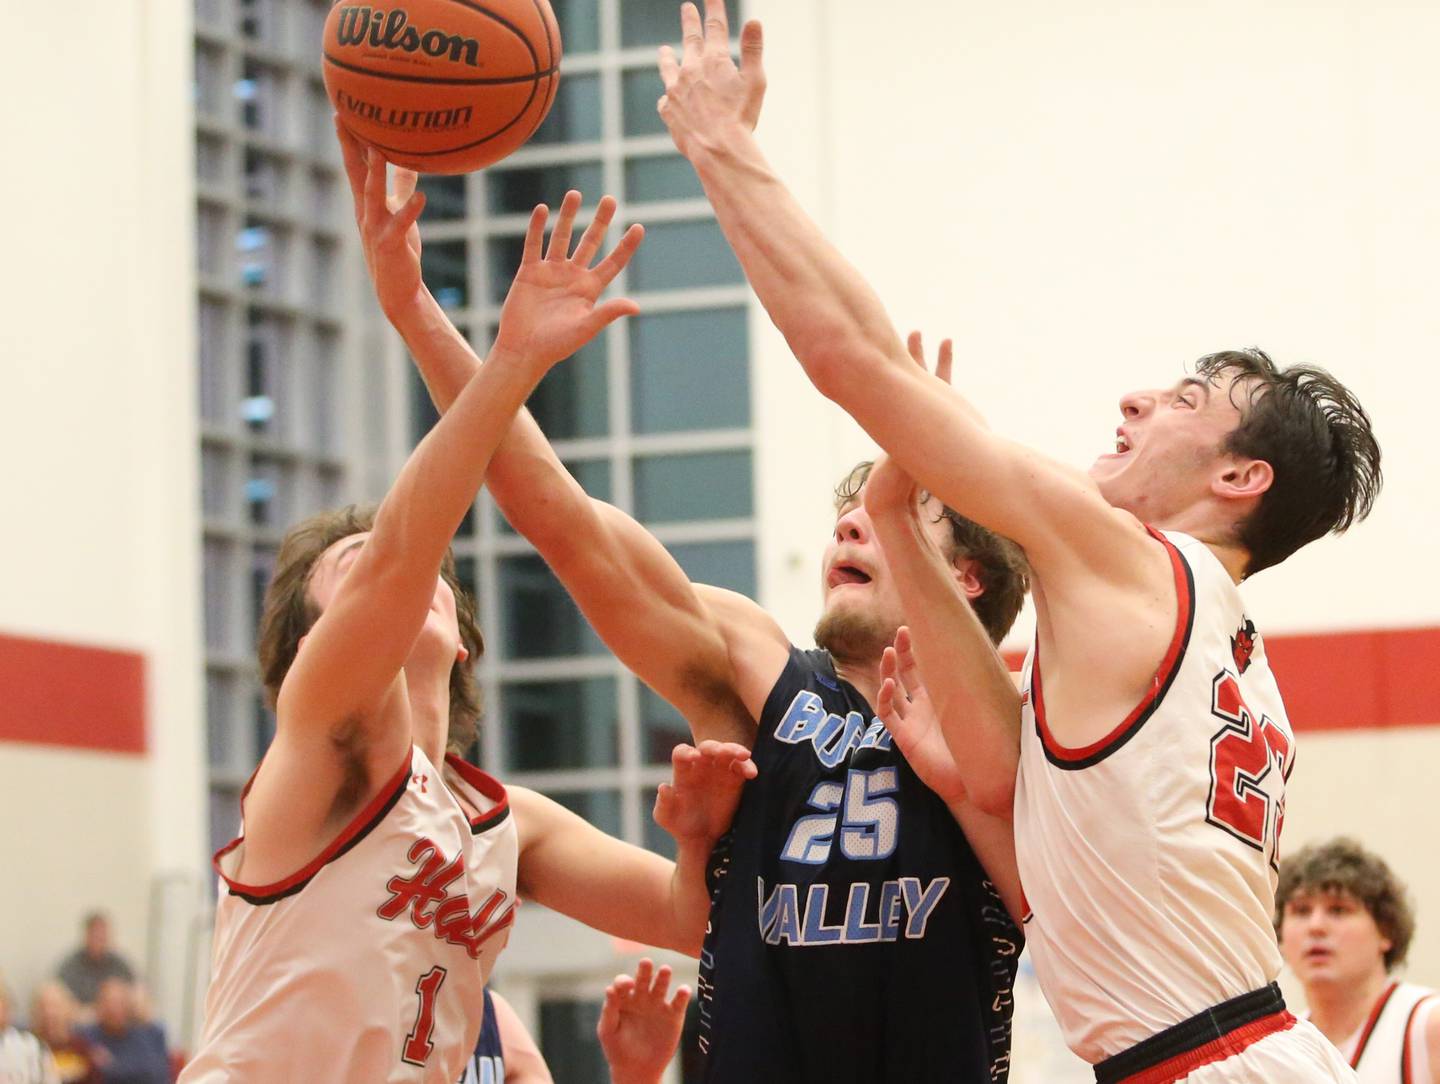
[(1297, 1055)]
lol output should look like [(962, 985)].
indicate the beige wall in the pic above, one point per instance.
[(101, 536)]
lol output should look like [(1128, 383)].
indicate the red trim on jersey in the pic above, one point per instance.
[(351, 834), (1374, 1018), (1406, 1073), (72, 695), (1228, 1045), (487, 785), (1082, 757)]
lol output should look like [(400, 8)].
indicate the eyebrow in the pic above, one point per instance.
[(339, 556), (1195, 382)]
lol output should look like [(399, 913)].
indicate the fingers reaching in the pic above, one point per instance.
[(945, 364), (692, 34), (752, 66), (717, 27), (535, 234), (916, 345), (564, 227), (594, 235)]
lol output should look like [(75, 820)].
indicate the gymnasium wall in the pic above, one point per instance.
[(1086, 197), (99, 600)]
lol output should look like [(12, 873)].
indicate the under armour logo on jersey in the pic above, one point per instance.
[(426, 897), (1242, 645), (420, 780)]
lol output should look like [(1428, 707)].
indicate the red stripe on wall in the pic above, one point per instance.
[(70, 695), (1359, 680), (1353, 680)]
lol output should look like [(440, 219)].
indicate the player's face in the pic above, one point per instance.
[(1168, 447), (861, 603), (441, 624), (1330, 937)]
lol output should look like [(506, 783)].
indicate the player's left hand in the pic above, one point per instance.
[(699, 804), (705, 93), (904, 706), (554, 307), (639, 1028)]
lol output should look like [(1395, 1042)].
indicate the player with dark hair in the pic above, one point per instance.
[(1345, 925), (1147, 779), (377, 877), (844, 870)]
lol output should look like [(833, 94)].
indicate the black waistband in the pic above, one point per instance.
[(1214, 1023)]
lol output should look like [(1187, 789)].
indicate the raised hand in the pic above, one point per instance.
[(699, 804), (553, 307), (705, 91), (639, 1029), (387, 223), (905, 708)]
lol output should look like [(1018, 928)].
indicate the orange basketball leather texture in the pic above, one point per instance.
[(442, 86)]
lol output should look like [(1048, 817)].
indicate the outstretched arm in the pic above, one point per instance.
[(572, 867), (350, 660), (976, 704), (711, 653), (839, 330)]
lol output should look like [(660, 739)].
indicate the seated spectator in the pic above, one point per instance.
[(130, 1050), (53, 1018), (93, 962), (23, 1057), (1345, 924)]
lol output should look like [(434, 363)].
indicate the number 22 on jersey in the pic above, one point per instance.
[(1244, 800)]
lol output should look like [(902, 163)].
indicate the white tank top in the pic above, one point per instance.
[(1390, 1047), (370, 963), (1149, 858)]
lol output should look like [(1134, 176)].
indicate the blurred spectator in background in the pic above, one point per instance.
[(129, 1050), (53, 1018), (93, 962), (23, 1057), (1344, 925)]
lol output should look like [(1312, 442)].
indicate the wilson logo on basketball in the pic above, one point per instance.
[(425, 895), (392, 30)]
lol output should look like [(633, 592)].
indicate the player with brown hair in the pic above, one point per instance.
[(376, 880), (1147, 778), (1345, 923), (848, 866)]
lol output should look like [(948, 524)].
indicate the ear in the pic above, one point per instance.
[(967, 575), (462, 654), (1243, 479)]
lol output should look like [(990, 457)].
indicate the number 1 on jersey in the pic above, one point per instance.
[(418, 1046)]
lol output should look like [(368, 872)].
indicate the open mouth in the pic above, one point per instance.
[(843, 574), (1317, 955), (1122, 443)]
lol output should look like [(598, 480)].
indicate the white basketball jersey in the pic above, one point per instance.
[(370, 963), (1149, 858), (1390, 1047)]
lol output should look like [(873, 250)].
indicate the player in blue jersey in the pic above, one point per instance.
[(859, 919)]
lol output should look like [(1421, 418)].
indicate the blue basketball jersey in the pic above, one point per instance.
[(854, 936), (487, 1063)]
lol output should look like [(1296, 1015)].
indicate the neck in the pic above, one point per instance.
[(1216, 528), (1339, 1009), (864, 675), (429, 697)]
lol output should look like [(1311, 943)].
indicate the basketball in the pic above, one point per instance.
[(442, 86)]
